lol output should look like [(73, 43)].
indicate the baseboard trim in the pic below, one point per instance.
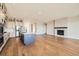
[(64, 37)]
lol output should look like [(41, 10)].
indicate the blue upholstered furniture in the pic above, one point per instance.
[(28, 38)]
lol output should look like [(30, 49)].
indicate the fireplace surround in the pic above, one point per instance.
[(61, 31)]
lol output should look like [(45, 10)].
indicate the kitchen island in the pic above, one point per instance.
[(27, 38)]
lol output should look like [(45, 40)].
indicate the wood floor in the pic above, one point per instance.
[(44, 46)]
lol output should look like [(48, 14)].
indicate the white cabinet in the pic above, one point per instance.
[(2, 21), (2, 17), (2, 12), (6, 37)]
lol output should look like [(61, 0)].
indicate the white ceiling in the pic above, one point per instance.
[(42, 12)]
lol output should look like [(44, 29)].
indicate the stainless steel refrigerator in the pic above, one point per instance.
[(17, 31)]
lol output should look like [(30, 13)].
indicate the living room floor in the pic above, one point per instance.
[(45, 45)]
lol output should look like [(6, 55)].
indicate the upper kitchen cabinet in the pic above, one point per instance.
[(3, 13), (3, 8)]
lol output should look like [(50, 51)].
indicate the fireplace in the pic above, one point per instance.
[(60, 32)]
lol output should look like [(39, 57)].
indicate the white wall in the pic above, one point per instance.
[(40, 28), (27, 26), (61, 22), (34, 29), (73, 27), (50, 28)]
